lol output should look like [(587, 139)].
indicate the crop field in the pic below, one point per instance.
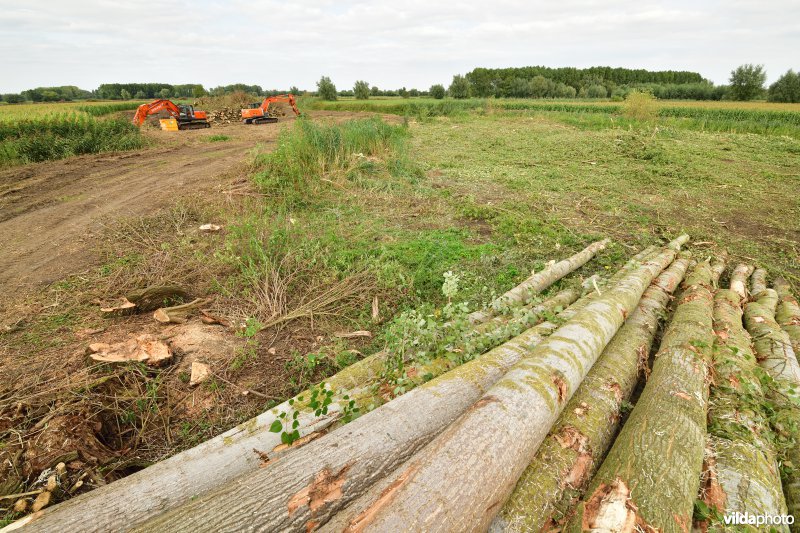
[(361, 225)]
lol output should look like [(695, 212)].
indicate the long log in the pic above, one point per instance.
[(743, 473), (539, 281), (651, 475), (773, 349), (460, 480), (579, 440)]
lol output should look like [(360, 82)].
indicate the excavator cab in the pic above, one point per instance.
[(182, 117)]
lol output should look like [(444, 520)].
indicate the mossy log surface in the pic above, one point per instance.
[(758, 281), (539, 281), (743, 473), (787, 314), (580, 439), (461, 479), (651, 475)]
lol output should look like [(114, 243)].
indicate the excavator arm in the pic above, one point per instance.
[(288, 98), (153, 107)]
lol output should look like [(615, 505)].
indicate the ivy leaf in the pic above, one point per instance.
[(276, 426)]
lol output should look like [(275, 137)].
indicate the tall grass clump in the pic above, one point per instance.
[(310, 154), (60, 136), (100, 110), (640, 105)]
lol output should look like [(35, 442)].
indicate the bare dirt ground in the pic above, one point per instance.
[(51, 213)]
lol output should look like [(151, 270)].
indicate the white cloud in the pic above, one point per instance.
[(390, 44)]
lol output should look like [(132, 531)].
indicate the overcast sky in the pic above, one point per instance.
[(388, 43)]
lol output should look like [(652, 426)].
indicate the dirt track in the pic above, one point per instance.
[(50, 212)]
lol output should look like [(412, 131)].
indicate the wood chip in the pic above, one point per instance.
[(200, 373), (41, 501), (143, 348), (210, 228)]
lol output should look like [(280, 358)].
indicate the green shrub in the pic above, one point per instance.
[(640, 105), (437, 91), (361, 90), (459, 88), (326, 89), (596, 91)]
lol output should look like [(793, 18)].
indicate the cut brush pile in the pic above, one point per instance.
[(523, 422)]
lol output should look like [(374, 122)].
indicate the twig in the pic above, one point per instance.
[(21, 494)]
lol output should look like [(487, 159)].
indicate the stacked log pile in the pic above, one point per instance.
[(534, 431)]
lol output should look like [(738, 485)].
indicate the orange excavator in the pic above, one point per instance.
[(182, 117), (259, 113)]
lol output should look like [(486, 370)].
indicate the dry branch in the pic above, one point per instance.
[(579, 440), (177, 314), (540, 281), (651, 475)]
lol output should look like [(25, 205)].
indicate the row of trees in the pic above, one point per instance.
[(746, 83)]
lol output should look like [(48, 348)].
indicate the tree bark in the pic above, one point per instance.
[(787, 314), (743, 473), (758, 281), (459, 481), (739, 278), (568, 457), (536, 283), (651, 475)]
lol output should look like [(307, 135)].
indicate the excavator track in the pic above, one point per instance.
[(264, 120), (194, 126)]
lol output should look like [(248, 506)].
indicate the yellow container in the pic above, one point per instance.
[(169, 124)]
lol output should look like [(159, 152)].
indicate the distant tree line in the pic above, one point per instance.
[(746, 83), (137, 91)]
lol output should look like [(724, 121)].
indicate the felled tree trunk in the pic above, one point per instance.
[(579, 440), (774, 351), (651, 475), (461, 479), (520, 294), (743, 471)]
